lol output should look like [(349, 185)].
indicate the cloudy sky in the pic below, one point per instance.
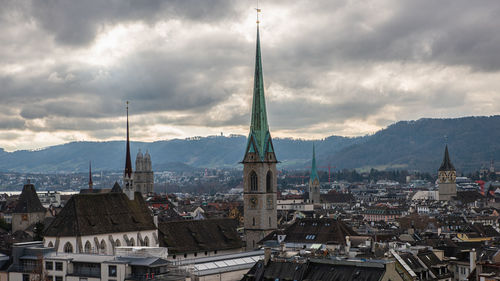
[(331, 67)]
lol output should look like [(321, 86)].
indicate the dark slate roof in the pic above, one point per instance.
[(313, 270), (315, 230), (446, 165), (28, 202), (469, 196), (116, 188), (91, 214), (336, 197), (199, 235), (432, 262), (325, 271), (484, 230), (413, 262)]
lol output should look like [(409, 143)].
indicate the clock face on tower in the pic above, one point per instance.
[(253, 201), (442, 176), (452, 176)]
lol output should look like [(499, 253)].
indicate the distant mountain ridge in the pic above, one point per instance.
[(413, 145)]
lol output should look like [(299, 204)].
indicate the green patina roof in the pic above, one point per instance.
[(259, 139), (314, 171)]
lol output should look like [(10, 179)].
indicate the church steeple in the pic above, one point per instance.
[(128, 162), (128, 178), (314, 171), (91, 184), (259, 139), (446, 165), (314, 186), (260, 183)]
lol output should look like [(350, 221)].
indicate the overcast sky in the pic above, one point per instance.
[(330, 67)]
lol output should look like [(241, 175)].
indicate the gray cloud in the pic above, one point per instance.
[(327, 64), (78, 22)]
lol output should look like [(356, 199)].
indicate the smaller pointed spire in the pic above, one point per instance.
[(446, 165), (314, 171), (91, 184), (128, 162)]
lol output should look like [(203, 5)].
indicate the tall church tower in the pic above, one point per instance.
[(128, 178), (143, 175), (259, 167), (314, 194), (446, 178)]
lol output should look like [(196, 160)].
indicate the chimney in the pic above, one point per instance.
[(267, 255), (472, 259)]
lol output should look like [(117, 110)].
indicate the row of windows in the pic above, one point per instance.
[(68, 247), (194, 254), (26, 277), (49, 265), (254, 181)]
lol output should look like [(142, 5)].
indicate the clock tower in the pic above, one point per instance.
[(446, 178), (259, 167)]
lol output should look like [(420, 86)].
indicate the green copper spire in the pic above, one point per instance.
[(314, 171), (259, 139), (259, 115)]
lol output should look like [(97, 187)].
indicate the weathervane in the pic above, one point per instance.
[(258, 11)]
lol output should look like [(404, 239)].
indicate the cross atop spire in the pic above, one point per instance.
[(128, 162)]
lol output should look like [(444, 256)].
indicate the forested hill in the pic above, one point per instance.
[(472, 141)]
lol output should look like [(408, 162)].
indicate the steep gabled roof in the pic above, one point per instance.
[(101, 213), (28, 202), (199, 235), (314, 230), (116, 188), (446, 165)]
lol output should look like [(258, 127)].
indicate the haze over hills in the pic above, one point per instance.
[(413, 145)]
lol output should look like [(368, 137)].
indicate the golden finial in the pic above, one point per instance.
[(258, 11)]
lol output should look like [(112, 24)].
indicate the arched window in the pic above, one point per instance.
[(88, 247), (103, 247), (269, 182), (132, 242), (254, 186), (68, 248), (118, 243), (146, 241), (51, 245), (269, 221), (253, 221)]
